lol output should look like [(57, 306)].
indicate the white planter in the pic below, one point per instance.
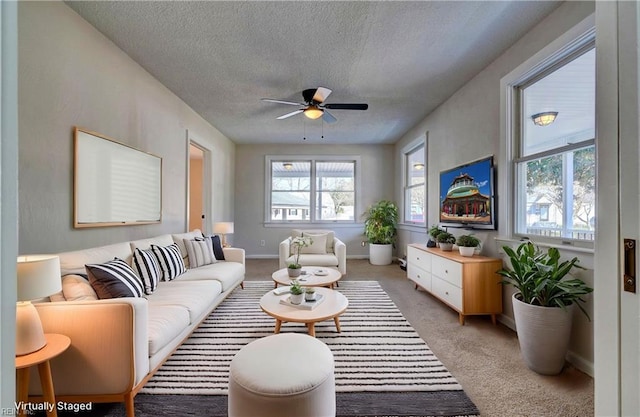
[(543, 334), (309, 296), (447, 247), (296, 298), (466, 250), (294, 272), (380, 254)]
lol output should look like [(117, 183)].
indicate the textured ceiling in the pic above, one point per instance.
[(402, 58)]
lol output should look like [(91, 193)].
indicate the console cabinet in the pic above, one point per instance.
[(469, 285)]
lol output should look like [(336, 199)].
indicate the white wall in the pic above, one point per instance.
[(70, 74), (376, 184), (467, 127)]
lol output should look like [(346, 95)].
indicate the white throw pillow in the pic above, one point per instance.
[(200, 253), (318, 247), (77, 288)]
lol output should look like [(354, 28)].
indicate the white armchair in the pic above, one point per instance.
[(326, 250)]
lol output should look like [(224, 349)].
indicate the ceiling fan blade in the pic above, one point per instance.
[(272, 100), (346, 106), (328, 117), (321, 94), (293, 113)]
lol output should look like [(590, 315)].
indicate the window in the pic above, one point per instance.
[(415, 184), (555, 158), (311, 190)]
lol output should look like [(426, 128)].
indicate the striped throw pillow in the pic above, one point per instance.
[(114, 279), (148, 269), (170, 260), (199, 252)]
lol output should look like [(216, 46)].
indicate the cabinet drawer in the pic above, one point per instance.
[(419, 276), (447, 270), (419, 258), (447, 292)]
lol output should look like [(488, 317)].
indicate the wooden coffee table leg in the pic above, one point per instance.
[(278, 324), (312, 329), (336, 320)]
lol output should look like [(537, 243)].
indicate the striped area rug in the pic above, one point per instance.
[(377, 350)]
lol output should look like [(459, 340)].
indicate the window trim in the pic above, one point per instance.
[(312, 159), (408, 149), (574, 41)]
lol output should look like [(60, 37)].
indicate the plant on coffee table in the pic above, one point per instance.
[(297, 293)]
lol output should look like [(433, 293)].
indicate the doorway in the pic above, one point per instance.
[(197, 183)]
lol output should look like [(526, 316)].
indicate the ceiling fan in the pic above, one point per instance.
[(315, 107)]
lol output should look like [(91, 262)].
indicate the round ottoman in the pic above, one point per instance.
[(282, 375)]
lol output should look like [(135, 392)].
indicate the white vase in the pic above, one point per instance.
[(380, 254), (543, 334), (310, 296), (294, 272), (296, 298), (466, 250), (446, 246)]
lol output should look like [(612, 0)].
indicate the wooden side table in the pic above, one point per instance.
[(56, 344)]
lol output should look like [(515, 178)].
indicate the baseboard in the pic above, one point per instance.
[(576, 360)]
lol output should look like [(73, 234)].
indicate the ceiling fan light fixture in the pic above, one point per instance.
[(544, 118), (313, 112), (418, 166), (287, 165)]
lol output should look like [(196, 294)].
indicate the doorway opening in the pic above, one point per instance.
[(197, 218)]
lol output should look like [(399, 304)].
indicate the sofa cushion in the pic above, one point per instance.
[(77, 288), (162, 240), (196, 296), (74, 262), (309, 259), (148, 269), (318, 245), (170, 261), (114, 279), (312, 232), (200, 252), (229, 274), (179, 238), (165, 323), (216, 245)]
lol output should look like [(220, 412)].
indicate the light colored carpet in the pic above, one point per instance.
[(485, 359)]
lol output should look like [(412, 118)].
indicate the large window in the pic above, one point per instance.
[(311, 190), (415, 184), (555, 149)]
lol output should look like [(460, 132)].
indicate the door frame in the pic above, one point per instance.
[(207, 225)]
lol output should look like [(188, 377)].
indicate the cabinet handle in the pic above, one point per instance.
[(446, 292), (446, 271), (419, 276)]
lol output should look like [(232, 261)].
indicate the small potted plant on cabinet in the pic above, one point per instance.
[(543, 304), (297, 293), (445, 240), (467, 244), (380, 230), (434, 231)]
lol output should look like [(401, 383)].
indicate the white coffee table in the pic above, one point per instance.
[(333, 305), (310, 279)]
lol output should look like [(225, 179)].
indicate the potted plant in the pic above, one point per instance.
[(309, 294), (445, 240), (543, 304), (294, 269), (297, 293), (380, 231), (467, 244), (434, 231)]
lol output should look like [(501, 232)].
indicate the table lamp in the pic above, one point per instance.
[(223, 228), (38, 277)]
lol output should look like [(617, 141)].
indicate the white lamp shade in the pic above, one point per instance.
[(223, 228), (38, 276)]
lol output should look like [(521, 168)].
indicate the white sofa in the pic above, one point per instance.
[(117, 344), (333, 253)]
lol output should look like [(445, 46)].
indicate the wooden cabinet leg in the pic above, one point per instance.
[(493, 319), (461, 318)]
